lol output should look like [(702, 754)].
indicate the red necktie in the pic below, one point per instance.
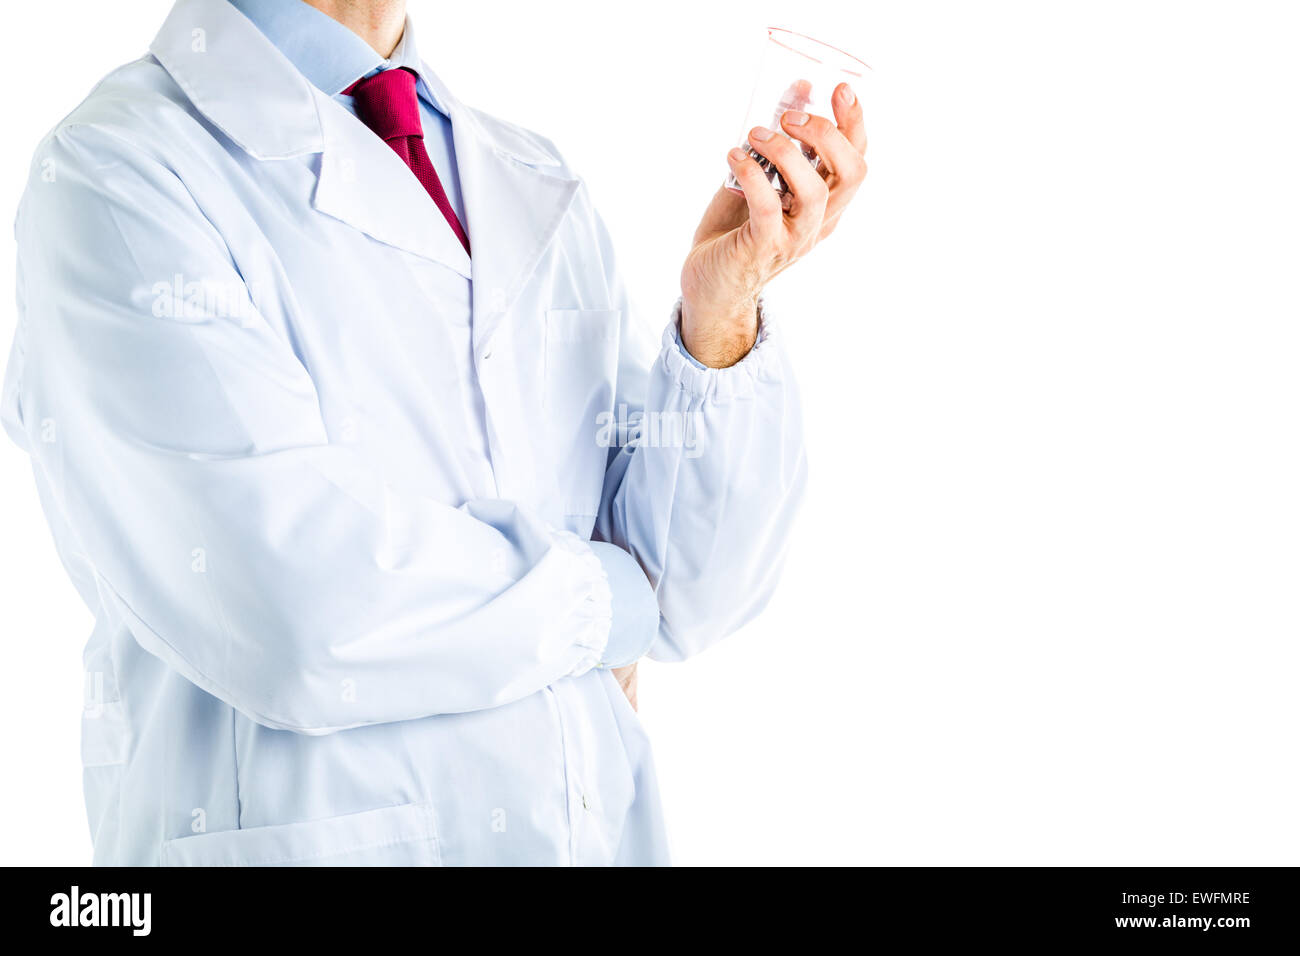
[(387, 103)]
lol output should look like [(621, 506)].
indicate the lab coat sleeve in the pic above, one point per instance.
[(704, 492), (189, 456)]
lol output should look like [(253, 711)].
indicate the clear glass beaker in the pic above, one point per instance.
[(797, 73)]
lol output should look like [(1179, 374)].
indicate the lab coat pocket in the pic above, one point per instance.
[(392, 836), (581, 369)]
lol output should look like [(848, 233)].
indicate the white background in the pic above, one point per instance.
[(1042, 603)]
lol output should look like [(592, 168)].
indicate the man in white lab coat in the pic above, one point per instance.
[(348, 440)]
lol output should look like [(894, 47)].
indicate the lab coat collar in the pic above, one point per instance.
[(516, 192), (237, 78)]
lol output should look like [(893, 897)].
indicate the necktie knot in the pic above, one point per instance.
[(387, 103)]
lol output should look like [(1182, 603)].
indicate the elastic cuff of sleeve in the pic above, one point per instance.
[(721, 385), (636, 608), (596, 609)]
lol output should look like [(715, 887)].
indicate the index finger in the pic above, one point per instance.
[(848, 116)]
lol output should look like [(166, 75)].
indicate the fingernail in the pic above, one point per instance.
[(737, 155), (760, 133), (847, 96), (795, 117)]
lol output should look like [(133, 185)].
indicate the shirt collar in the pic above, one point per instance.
[(326, 52)]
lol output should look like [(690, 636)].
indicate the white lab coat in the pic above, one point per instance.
[(325, 631)]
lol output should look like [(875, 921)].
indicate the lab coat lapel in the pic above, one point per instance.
[(365, 184), (237, 78), (515, 193), (515, 199)]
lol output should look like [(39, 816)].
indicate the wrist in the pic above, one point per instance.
[(719, 336)]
